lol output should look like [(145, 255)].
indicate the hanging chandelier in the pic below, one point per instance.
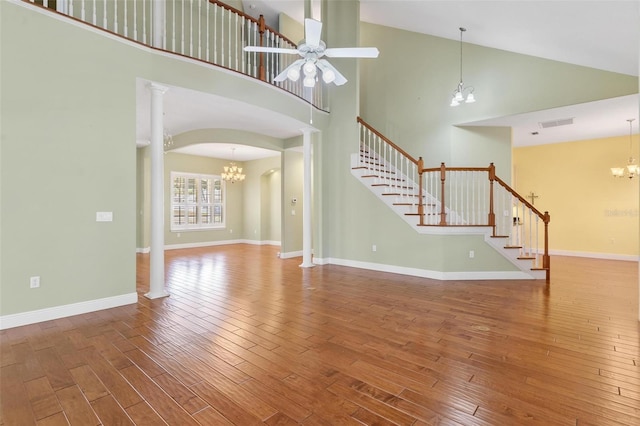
[(167, 140), (232, 173), (462, 93), (632, 169)]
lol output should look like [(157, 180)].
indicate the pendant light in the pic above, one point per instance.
[(459, 94), (632, 169)]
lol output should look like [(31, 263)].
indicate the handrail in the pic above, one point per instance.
[(546, 218), (209, 31), (260, 21), (522, 200), (381, 136), (457, 196)]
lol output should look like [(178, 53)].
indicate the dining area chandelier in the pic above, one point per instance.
[(232, 173), (632, 169)]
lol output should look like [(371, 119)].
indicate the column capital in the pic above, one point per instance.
[(155, 87)]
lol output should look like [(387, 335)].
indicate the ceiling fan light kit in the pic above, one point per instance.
[(459, 94), (311, 51)]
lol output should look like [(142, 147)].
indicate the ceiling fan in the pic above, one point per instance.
[(311, 50)]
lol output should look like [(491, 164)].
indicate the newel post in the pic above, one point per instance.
[(420, 203), (546, 259), (443, 177), (492, 214), (261, 29)]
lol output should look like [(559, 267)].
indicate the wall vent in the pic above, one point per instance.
[(556, 123)]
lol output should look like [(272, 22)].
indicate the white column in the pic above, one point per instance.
[(306, 199), (156, 261), (158, 21)]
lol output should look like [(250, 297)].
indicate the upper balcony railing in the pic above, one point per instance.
[(206, 30)]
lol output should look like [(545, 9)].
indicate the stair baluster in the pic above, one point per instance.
[(454, 196)]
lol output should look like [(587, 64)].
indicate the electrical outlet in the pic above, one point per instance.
[(34, 282), (374, 248), (472, 254)]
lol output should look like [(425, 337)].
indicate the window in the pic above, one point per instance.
[(197, 201)]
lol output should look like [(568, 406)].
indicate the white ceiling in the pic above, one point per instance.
[(591, 120), (601, 34), (186, 110)]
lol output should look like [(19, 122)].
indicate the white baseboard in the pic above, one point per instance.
[(608, 256), (143, 250), (291, 254), (203, 244), (262, 243), (220, 243), (48, 314), (426, 273)]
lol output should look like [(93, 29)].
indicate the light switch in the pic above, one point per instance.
[(104, 216)]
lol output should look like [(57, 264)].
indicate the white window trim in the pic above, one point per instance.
[(198, 226)]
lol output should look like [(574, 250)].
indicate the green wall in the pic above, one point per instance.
[(258, 200), (292, 184), (68, 151), (68, 131), (405, 93), (182, 163), (68, 116)]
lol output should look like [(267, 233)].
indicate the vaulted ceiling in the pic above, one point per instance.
[(599, 34)]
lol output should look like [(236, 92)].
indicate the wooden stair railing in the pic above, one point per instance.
[(205, 30), (456, 196)]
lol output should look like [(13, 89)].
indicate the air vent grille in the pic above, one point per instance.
[(556, 123)]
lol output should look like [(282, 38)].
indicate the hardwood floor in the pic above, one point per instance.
[(246, 338)]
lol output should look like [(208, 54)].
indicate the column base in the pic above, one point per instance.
[(307, 265), (156, 294)]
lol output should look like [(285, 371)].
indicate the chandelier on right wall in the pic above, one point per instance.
[(632, 169)]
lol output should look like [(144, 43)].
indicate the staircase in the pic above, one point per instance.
[(446, 200)]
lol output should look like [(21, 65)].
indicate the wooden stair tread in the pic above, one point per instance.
[(378, 176), (391, 186)]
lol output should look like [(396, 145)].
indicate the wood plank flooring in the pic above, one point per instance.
[(247, 338)]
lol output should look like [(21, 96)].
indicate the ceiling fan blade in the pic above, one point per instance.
[(312, 32), (269, 49), (339, 79), (352, 52), (283, 75)]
